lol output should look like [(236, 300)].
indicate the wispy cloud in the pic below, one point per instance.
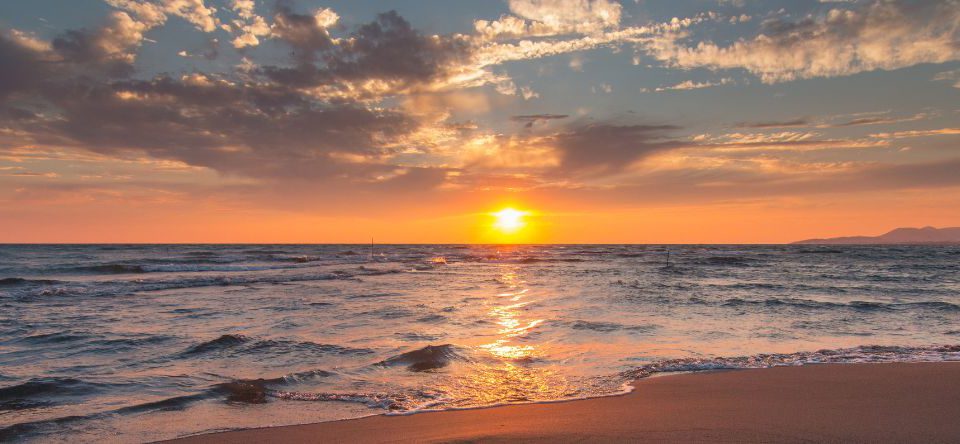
[(949, 76), (918, 133), (803, 121), (879, 35), (690, 84)]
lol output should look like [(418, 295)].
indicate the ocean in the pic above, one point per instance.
[(136, 343)]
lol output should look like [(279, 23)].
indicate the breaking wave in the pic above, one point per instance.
[(427, 358), (855, 355), (418, 400)]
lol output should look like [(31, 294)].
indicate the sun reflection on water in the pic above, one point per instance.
[(510, 317), (517, 370), (511, 366)]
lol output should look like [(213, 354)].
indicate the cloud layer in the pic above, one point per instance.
[(382, 107)]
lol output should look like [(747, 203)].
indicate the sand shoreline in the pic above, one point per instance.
[(893, 402)]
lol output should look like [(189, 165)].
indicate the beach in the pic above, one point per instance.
[(893, 402)]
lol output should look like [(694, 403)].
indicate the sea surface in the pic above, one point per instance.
[(137, 343)]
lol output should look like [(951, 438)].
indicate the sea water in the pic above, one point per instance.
[(146, 342)]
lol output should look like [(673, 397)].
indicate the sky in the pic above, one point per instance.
[(725, 121)]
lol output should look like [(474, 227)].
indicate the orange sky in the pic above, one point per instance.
[(761, 221)]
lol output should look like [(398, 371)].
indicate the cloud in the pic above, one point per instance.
[(247, 128), (883, 35), (529, 120), (377, 106), (879, 120), (489, 53), (858, 119), (49, 175), (528, 93), (300, 121), (105, 51), (249, 26), (541, 18), (114, 42), (803, 121), (390, 49), (383, 57), (23, 67), (690, 84), (777, 143), (918, 133), (592, 149), (758, 179), (578, 151), (307, 34), (155, 12), (949, 76), (235, 129), (559, 16)]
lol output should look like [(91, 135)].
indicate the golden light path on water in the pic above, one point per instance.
[(516, 371)]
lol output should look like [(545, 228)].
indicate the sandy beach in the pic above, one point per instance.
[(903, 402)]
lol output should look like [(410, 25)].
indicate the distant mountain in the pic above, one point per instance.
[(925, 235)]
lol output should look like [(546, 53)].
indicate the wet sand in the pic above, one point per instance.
[(818, 403)]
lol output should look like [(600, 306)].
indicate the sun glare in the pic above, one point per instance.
[(509, 220)]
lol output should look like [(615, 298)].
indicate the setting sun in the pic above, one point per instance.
[(509, 220)]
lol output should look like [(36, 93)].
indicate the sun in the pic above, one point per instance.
[(509, 220)]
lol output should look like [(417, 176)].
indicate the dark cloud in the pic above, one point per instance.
[(600, 148), (263, 127), (775, 124), (233, 128), (532, 119), (79, 46), (387, 49), (213, 50), (302, 32), (23, 70), (72, 54)]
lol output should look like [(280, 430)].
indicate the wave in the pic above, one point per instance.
[(857, 305), (122, 287), (606, 327), (111, 269), (244, 345), (38, 392), (181, 267), (17, 281), (53, 338), (224, 341), (252, 391), (418, 401), (725, 261), (392, 402), (861, 354), (427, 358), (535, 260), (44, 386), (506, 259), (286, 346)]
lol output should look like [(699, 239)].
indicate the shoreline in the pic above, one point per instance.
[(875, 402)]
